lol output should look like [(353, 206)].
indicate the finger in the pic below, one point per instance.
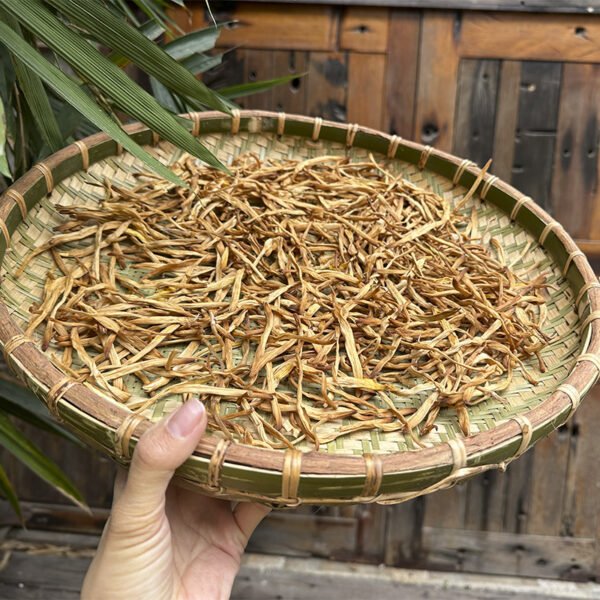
[(248, 515), (162, 449), (120, 481)]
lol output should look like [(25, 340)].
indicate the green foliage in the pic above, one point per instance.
[(56, 83)]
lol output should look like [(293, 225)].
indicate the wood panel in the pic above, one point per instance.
[(290, 97), (39, 565), (476, 109), (365, 29), (507, 111), (502, 553), (305, 535), (327, 82), (548, 486), (258, 66), (297, 27), (527, 37), (403, 533), (366, 89), (401, 72), (581, 514), (542, 6), (436, 88), (575, 193), (536, 129)]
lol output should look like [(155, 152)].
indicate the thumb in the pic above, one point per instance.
[(162, 449)]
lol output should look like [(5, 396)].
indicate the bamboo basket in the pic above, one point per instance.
[(365, 466)]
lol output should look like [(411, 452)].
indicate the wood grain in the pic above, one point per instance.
[(501, 553), (548, 485), (327, 82), (436, 88), (47, 566), (528, 37), (476, 109), (401, 73), (403, 533), (536, 129), (305, 27), (290, 97), (582, 492), (542, 6), (507, 111), (366, 74), (258, 66), (364, 29), (575, 193)]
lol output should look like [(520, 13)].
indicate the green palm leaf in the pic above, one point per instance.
[(106, 76), (71, 92), (194, 42), (255, 87), (9, 492), (118, 34), (36, 97), (20, 447), (19, 401)]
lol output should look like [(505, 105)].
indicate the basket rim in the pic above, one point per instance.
[(28, 359)]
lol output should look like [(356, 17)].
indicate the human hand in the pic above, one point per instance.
[(164, 542)]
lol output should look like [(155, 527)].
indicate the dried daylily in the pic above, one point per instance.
[(303, 301)]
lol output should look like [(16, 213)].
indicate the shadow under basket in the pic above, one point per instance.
[(366, 466)]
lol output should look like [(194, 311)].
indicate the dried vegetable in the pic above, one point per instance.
[(301, 300)]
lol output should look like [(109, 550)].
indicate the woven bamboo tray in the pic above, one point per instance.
[(365, 466)]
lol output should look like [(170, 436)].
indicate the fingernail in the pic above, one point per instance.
[(186, 418)]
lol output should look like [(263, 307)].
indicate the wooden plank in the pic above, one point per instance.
[(438, 69), (542, 6), (476, 109), (575, 193), (364, 29), (506, 119), (517, 494), (258, 66), (401, 72), (366, 89), (527, 37), (290, 97), (548, 483), (51, 567), (55, 517), (403, 533), (305, 535), (371, 528), (536, 129), (301, 26), (506, 553), (327, 81), (446, 508), (582, 494)]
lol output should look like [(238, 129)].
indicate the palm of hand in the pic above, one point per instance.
[(206, 545), (164, 542)]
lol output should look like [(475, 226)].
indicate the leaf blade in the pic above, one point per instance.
[(9, 493), (68, 90), (107, 77), (255, 87), (117, 33), (22, 449)]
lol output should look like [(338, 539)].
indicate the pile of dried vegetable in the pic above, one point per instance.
[(306, 293)]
